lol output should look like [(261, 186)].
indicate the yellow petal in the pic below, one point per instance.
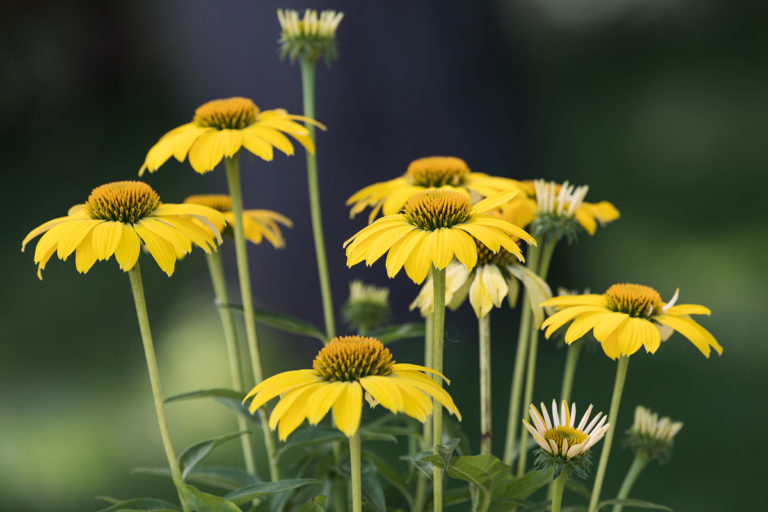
[(562, 317), (161, 250), (576, 300), (688, 309), (419, 262), (348, 408), (85, 255), (629, 334), (71, 234), (42, 229), (462, 245), (495, 201), (495, 222), (210, 147), (695, 333), (278, 384), (323, 399), (384, 391), (127, 251), (270, 136), (295, 414), (402, 249), (478, 295), (582, 325), (428, 386), (105, 238), (167, 232)]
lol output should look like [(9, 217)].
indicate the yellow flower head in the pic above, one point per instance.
[(495, 277), (390, 196), (627, 317), (549, 201), (435, 226), (560, 436), (221, 127), (116, 219), (342, 370), (257, 224), (311, 37)]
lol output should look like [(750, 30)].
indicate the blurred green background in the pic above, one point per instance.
[(660, 107)]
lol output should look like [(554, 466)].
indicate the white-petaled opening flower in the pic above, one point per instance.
[(564, 201), (652, 437), (560, 436), (312, 37)]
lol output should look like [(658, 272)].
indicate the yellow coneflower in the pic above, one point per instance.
[(221, 127), (343, 370), (257, 224), (627, 317), (117, 219), (435, 227), (389, 197)]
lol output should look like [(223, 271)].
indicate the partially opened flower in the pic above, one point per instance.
[(559, 210), (434, 227), (652, 437), (117, 219), (495, 277), (367, 306), (221, 127), (311, 37), (389, 197), (627, 317), (345, 369), (564, 444), (257, 224)]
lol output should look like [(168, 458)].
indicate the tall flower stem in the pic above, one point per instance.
[(154, 379), (557, 491), (308, 90), (438, 317), (533, 345), (634, 471), (484, 335), (219, 282), (618, 388), (426, 440), (241, 254), (571, 361), (355, 471)]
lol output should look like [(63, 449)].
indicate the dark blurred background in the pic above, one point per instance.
[(660, 106)]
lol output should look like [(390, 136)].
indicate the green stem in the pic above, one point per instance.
[(438, 314), (571, 360), (513, 418), (539, 263), (557, 492), (308, 90), (426, 440), (219, 282), (355, 471), (634, 471), (618, 387), (241, 254), (154, 379), (484, 335)]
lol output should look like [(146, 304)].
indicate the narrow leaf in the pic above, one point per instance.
[(141, 504), (390, 474), (282, 322), (397, 332), (198, 451), (633, 503), (223, 478), (251, 492), (200, 501)]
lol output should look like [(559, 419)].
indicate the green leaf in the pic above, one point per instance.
[(251, 492), (229, 397), (445, 451), (198, 451), (200, 501), (521, 488), (421, 461), (140, 504), (633, 503), (316, 504), (397, 332), (390, 474), (223, 478), (373, 494), (282, 322), (455, 497), (310, 437)]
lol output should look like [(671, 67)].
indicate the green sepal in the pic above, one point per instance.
[(576, 466)]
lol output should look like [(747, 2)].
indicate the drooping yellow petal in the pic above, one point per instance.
[(85, 255), (71, 234), (562, 317), (419, 262), (428, 386), (415, 403), (495, 222), (210, 147), (463, 246), (576, 300), (479, 297), (418, 368), (105, 238), (42, 229), (688, 309), (127, 251), (582, 325), (278, 384), (348, 408), (294, 416), (384, 391), (257, 145), (323, 399), (161, 250), (269, 135), (608, 323), (402, 249), (495, 201), (168, 233), (695, 333)]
